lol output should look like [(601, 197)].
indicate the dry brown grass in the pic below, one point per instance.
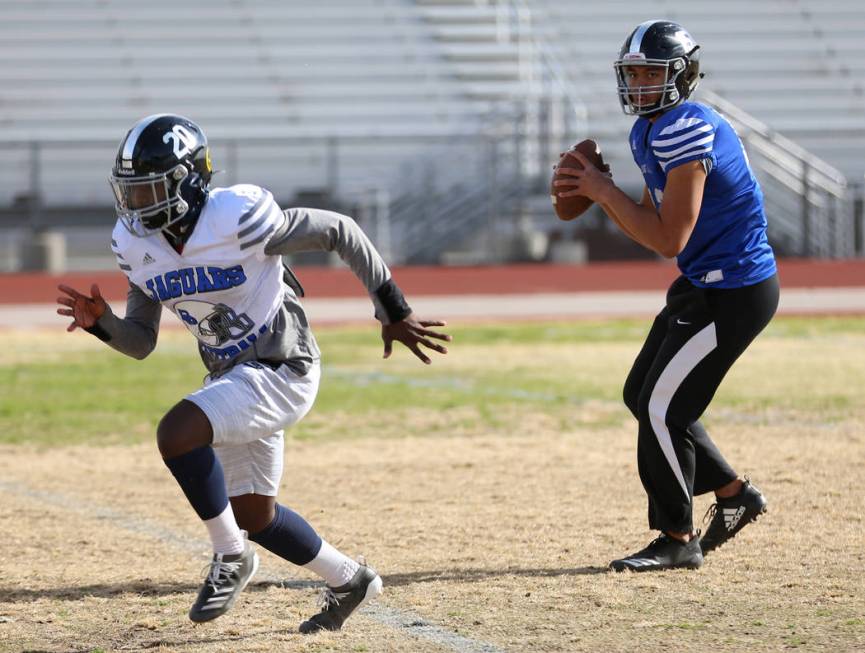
[(501, 536), (503, 540)]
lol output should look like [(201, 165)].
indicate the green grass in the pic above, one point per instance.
[(69, 391)]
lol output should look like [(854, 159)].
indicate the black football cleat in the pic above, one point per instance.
[(729, 516), (338, 603), (227, 577), (663, 552)]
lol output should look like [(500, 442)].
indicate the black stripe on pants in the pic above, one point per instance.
[(692, 344)]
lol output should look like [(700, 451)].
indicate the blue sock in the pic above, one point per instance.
[(199, 474), (289, 536)]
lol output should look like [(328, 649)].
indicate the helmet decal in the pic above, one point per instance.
[(639, 33), (213, 324), (687, 42), (132, 137), (183, 141)]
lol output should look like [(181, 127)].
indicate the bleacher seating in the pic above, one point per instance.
[(85, 71), (796, 66), (77, 75), (352, 95), (799, 67)]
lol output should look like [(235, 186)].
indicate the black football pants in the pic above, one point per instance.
[(694, 340)]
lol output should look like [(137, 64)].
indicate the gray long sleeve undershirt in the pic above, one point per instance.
[(290, 338), (134, 335), (314, 230)]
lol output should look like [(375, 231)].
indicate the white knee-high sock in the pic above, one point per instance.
[(226, 536), (335, 567)]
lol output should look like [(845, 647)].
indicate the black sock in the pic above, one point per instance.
[(290, 537), (200, 476)]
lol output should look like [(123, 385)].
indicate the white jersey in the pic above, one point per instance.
[(223, 286), (229, 287)]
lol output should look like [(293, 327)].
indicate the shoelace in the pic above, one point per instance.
[(710, 513), (220, 571), (658, 540), (327, 599), (663, 537), (651, 545)]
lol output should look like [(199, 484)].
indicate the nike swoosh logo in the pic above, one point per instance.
[(678, 321)]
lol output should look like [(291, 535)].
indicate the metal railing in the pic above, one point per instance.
[(811, 209), (483, 206), (448, 189), (509, 159), (435, 192)]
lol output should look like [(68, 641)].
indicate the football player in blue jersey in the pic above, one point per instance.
[(702, 205)]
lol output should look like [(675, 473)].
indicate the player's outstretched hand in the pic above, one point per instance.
[(412, 333), (83, 310)]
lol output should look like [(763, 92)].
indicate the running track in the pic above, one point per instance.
[(488, 293)]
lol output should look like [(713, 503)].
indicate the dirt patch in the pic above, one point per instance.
[(501, 540)]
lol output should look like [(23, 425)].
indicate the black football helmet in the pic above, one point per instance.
[(161, 174), (663, 44)]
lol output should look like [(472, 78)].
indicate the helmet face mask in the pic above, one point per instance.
[(161, 174), (150, 203), (667, 47)]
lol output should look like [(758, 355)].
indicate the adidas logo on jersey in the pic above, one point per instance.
[(732, 517), (148, 259)]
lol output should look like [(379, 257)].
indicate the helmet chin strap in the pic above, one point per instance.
[(179, 231)]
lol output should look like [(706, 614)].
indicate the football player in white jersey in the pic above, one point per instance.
[(213, 257)]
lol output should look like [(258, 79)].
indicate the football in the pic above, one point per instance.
[(568, 208)]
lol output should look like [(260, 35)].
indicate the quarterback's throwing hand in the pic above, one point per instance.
[(83, 310), (413, 332), (587, 181)]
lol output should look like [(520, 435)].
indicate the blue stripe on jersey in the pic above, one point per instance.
[(683, 141), (266, 196), (265, 214), (685, 134), (698, 139), (263, 227), (728, 247), (264, 234), (690, 155)]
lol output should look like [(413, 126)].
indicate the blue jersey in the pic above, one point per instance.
[(728, 247)]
